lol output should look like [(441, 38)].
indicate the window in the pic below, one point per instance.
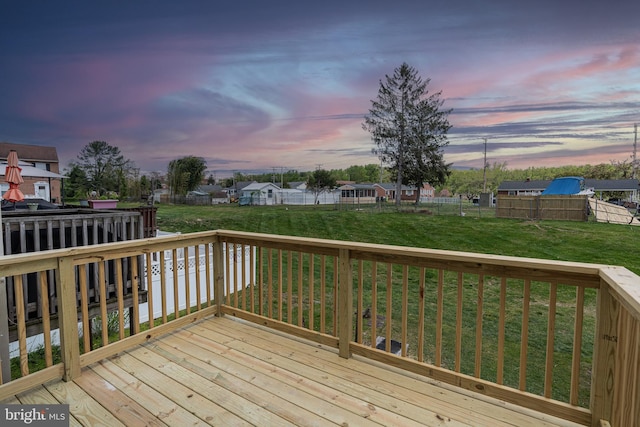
[(270, 193)]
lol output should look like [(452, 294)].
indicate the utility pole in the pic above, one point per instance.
[(484, 169), (635, 146)]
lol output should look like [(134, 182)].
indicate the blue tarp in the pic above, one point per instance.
[(564, 185)]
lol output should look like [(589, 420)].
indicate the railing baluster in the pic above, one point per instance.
[(551, 329), (421, 283), (459, 306), (501, 325), (289, 287), (84, 304), (374, 303), (252, 275), (389, 311), (335, 295), (234, 258), (198, 282), (227, 269), (300, 290), (21, 324), (323, 293), (176, 290), (479, 308), (260, 268), (163, 286), (281, 284), (269, 283), (524, 335), (103, 303), (243, 274), (187, 280), (120, 292), (207, 272), (311, 291), (360, 304), (46, 321), (405, 309), (577, 347), (439, 317), (150, 289), (135, 285)]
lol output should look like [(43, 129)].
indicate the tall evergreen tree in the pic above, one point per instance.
[(408, 128)]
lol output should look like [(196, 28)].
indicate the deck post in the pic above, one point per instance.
[(218, 275), (68, 318), (602, 382), (345, 304)]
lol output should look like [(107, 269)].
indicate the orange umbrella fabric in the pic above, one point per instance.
[(14, 178)]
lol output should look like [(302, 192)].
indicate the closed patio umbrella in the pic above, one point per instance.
[(14, 178)]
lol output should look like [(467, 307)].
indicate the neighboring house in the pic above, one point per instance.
[(360, 193), (427, 192), (388, 191), (523, 188), (40, 171), (216, 193), (235, 191), (599, 186), (371, 193), (260, 193)]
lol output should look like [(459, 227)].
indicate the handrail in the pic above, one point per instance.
[(487, 323)]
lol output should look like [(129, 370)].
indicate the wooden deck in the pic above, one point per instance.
[(224, 371)]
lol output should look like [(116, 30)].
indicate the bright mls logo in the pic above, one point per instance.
[(34, 415)]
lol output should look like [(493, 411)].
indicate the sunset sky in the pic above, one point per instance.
[(253, 85)]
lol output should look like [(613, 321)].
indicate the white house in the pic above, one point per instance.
[(261, 193)]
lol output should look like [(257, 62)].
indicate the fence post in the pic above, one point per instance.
[(345, 303), (218, 275), (605, 347), (68, 318)]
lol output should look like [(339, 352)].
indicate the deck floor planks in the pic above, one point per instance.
[(224, 371), (159, 405), (293, 393), (421, 391), (84, 407), (40, 395), (129, 412), (180, 393), (386, 407), (210, 383)]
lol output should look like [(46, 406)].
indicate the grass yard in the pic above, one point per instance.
[(593, 242)]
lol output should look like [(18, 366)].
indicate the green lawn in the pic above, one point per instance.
[(558, 240)]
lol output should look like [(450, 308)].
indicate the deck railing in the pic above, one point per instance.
[(562, 338)]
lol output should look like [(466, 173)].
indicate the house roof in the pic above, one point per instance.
[(532, 185), (209, 188), (30, 153), (612, 184), (259, 186), (32, 172)]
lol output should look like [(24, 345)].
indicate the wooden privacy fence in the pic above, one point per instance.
[(562, 338), (558, 207)]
